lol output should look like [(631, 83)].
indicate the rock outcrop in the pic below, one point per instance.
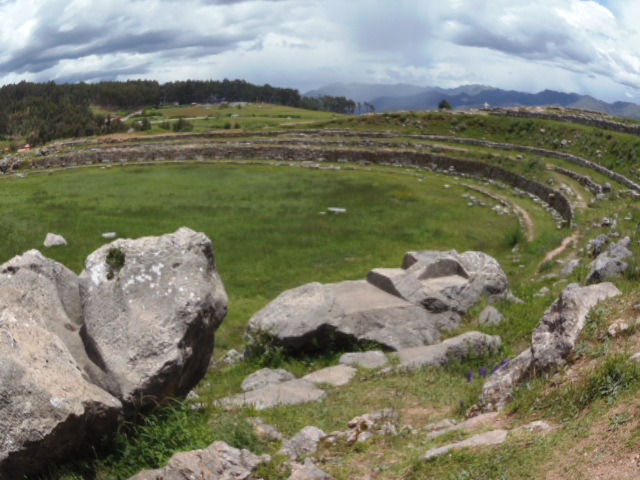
[(151, 307), (552, 342)]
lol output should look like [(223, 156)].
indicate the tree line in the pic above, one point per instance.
[(40, 112)]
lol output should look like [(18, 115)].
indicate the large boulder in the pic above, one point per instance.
[(556, 335), (48, 409), (444, 283), (314, 316), (151, 307)]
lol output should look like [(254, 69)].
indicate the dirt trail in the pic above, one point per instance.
[(563, 246)]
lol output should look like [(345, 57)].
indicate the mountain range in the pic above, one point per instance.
[(392, 98)]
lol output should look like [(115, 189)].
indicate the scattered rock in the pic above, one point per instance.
[(544, 291), (337, 210), (308, 471), (610, 263), (232, 357), (537, 427), (441, 425), (494, 437), (265, 430), (570, 267), (490, 316), (151, 308), (598, 244), (109, 235), (54, 240), (475, 422), (292, 392), (497, 390), (452, 349), (371, 359), (336, 376), (555, 336), (218, 462), (303, 443), (362, 428), (617, 327), (265, 377)]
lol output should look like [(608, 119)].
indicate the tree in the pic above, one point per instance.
[(444, 105)]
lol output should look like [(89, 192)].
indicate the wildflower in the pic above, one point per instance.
[(483, 372), (469, 375), (462, 403)]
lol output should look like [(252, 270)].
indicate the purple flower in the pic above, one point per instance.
[(469, 375), (483, 372), (462, 404)]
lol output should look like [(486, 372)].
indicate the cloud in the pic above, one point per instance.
[(592, 47)]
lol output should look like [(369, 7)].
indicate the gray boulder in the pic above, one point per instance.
[(51, 291), (444, 283), (451, 350), (498, 389), (570, 267), (371, 359), (265, 377), (490, 316), (151, 308), (314, 315), (494, 437), (217, 462), (610, 263), (304, 443), (598, 244), (308, 471), (292, 392), (555, 336), (49, 411)]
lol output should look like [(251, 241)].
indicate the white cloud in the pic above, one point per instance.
[(580, 45)]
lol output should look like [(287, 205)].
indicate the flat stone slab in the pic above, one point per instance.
[(371, 359), (475, 422), (456, 348), (292, 392), (336, 376), (265, 377), (494, 437)]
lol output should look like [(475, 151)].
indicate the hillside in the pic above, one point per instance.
[(291, 197)]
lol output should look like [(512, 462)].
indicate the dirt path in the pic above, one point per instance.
[(563, 246)]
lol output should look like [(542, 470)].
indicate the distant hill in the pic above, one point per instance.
[(390, 98)]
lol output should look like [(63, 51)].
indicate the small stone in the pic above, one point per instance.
[(53, 240), (617, 327)]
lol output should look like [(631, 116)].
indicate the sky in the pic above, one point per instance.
[(582, 46)]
